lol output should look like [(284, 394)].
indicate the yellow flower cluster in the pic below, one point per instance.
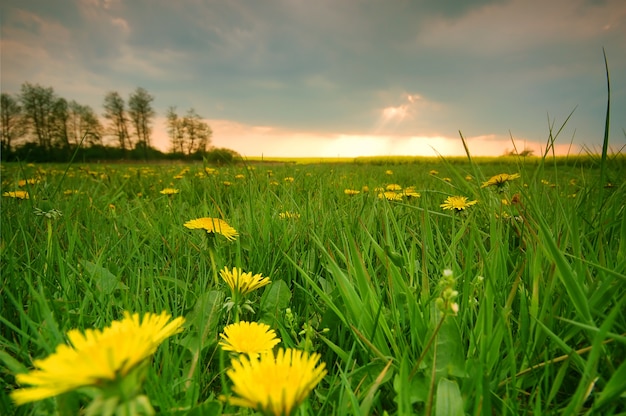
[(96, 357)]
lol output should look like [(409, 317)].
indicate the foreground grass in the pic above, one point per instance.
[(511, 306)]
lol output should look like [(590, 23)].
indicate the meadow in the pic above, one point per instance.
[(509, 302)]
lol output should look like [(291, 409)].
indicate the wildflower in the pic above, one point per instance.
[(434, 172), (274, 183), (169, 191), (17, 194), (275, 384), (365, 188), (449, 180), (289, 179), (393, 187), (240, 176), (243, 283), (251, 338), (23, 182), (500, 180), (289, 215), (213, 225), (457, 203), (96, 357), (351, 192), (388, 172), (411, 193), (390, 196), (226, 183), (468, 177)]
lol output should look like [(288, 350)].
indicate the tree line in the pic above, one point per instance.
[(38, 125)]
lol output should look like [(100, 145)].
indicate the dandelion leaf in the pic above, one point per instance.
[(105, 281), (274, 301)]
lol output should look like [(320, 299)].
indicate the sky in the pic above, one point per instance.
[(338, 78)]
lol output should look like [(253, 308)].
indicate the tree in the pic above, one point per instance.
[(188, 135), (59, 116), (175, 130), (141, 115), (11, 122), (37, 106), (115, 112), (83, 122), (197, 133)]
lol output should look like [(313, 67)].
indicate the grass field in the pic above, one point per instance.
[(511, 305)]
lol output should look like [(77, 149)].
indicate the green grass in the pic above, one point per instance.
[(541, 281)]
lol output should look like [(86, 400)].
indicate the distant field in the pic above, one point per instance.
[(426, 285)]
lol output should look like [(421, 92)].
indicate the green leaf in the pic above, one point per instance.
[(105, 281), (274, 301), (203, 321), (449, 399), (208, 408)]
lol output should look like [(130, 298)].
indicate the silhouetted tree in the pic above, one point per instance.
[(37, 106), (83, 122), (141, 115), (115, 112), (11, 122), (175, 130), (190, 134), (197, 133)]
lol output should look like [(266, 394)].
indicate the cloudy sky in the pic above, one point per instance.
[(338, 77)]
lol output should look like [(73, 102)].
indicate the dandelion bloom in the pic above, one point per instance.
[(351, 192), (500, 180), (275, 384), (433, 172), (169, 191), (250, 338), (388, 172), (23, 182), (393, 187), (17, 194), (457, 203), (96, 356), (390, 196), (289, 179), (288, 215), (411, 192), (240, 176), (213, 225), (243, 283)]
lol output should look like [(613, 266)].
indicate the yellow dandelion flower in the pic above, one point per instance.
[(23, 182), (433, 172), (226, 183), (365, 188), (500, 180), (243, 283), (213, 225), (288, 179), (274, 183), (169, 191), (388, 172), (447, 180), (457, 203), (96, 356), (17, 194), (275, 384), (240, 176), (351, 192), (393, 187), (390, 196), (468, 177), (288, 215), (250, 338), (411, 193)]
